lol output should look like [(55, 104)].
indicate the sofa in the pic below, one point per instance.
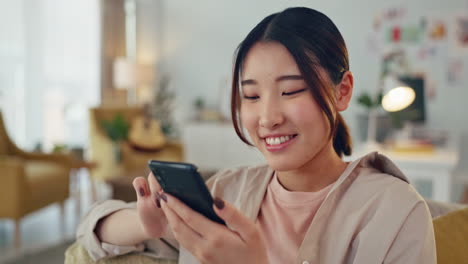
[(450, 227)]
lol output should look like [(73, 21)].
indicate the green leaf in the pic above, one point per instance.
[(116, 129), (365, 100)]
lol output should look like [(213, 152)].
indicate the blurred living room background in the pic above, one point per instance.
[(90, 90)]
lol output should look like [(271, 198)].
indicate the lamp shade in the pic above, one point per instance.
[(124, 74), (397, 96)]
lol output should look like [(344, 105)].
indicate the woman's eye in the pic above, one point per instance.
[(294, 92), (255, 97)]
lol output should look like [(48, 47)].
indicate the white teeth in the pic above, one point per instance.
[(277, 140)]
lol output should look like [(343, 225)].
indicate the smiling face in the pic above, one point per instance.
[(277, 108)]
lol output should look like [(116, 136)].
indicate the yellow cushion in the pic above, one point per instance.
[(451, 233), (40, 175)]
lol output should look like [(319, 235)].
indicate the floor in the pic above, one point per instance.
[(42, 229)]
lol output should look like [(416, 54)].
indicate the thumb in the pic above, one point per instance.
[(235, 220)]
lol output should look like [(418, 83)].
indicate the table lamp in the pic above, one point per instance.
[(124, 77), (397, 95)]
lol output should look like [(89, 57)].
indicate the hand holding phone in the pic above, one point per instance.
[(183, 181)]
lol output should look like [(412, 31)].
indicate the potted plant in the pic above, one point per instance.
[(374, 126), (117, 130)]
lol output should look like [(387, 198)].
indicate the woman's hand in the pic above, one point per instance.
[(151, 216), (211, 242)]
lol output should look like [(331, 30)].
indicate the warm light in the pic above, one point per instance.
[(124, 75), (398, 98)]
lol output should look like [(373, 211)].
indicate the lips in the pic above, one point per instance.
[(278, 142)]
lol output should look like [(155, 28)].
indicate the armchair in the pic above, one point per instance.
[(101, 147), (30, 181), (133, 161)]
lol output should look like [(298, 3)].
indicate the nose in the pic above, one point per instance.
[(271, 115)]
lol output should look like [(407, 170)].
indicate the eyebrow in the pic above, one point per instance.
[(278, 79)]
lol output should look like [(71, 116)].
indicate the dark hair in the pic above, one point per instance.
[(314, 42)]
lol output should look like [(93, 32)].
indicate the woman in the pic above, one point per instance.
[(291, 80)]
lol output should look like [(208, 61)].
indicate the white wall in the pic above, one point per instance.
[(194, 42), (198, 38), (12, 61), (49, 62)]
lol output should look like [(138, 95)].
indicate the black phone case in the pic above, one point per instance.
[(183, 181)]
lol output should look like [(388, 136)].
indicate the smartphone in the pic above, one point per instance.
[(183, 181)]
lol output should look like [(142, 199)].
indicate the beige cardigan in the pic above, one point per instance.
[(371, 215)]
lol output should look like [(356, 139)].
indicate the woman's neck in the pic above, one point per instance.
[(324, 169)]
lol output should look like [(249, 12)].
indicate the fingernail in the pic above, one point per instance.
[(142, 191), (218, 203), (163, 196), (158, 203)]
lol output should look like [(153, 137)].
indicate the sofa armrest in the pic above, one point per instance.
[(76, 254), (64, 159), (439, 209)]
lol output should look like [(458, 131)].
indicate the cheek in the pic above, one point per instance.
[(248, 118), (307, 114)]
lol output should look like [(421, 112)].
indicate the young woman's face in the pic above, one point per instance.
[(278, 110)]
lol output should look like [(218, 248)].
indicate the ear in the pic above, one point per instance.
[(344, 91)]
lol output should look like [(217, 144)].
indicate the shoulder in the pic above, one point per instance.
[(386, 214), (385, 192), (375, 199), (380, 179)]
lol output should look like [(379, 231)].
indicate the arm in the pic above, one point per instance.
[(145, 222), (62, 158), (415, 242), (114, 228), (125, 219), (87, 237)]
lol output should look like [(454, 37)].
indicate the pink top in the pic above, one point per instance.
[(284, 219)]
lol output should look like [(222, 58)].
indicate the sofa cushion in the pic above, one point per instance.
[(42, 174), (451, 233), (77, 254)]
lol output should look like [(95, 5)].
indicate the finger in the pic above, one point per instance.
[(155, 189), (140, 186), (235, 220), (196, 221), (144, 196), (153, 184), (151, 218), (185, 235)]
